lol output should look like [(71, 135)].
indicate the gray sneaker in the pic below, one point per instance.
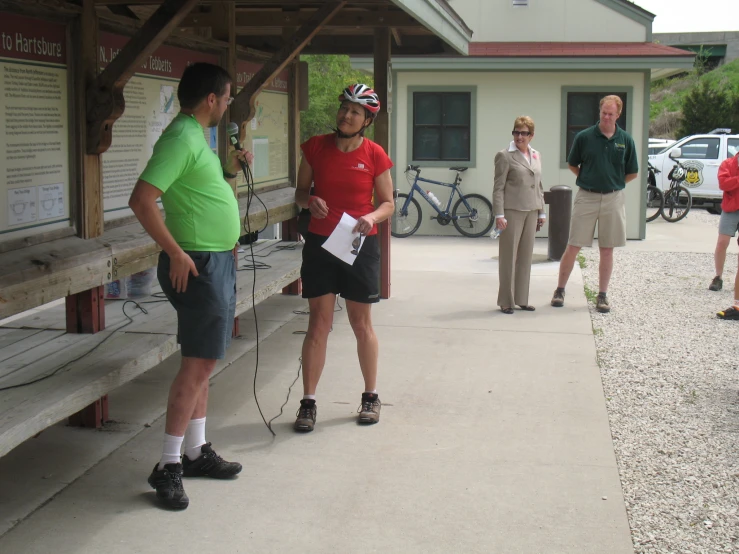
[(306, 416), (558, 300), (716, 284), (369, 410), (601, 303)]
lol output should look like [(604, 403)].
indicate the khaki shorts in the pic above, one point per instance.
[(607, 210)]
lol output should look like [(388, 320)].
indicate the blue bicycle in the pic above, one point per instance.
[(472, 214)]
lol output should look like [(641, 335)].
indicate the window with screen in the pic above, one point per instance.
[(583, 111), (442, 126)]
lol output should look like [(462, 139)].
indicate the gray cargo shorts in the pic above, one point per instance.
[(206, 310), (728, 223)]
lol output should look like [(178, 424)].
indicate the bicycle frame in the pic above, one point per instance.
[(455, 190)]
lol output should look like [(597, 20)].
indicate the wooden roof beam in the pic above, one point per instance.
[(242, 109), (248, 20), (396, 35), (105, 102)]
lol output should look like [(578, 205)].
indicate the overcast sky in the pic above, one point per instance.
[(675, 16)]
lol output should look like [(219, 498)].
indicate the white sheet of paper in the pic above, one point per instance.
[(339, 243)]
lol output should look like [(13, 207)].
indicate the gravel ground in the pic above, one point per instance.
[(700, 214), (669, 371)]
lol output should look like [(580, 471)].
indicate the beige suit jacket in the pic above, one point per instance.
[(517, 184)]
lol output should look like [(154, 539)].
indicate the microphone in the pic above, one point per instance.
[(232, 129), (233, 134)]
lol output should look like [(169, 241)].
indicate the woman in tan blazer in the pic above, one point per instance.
[(518, 205)]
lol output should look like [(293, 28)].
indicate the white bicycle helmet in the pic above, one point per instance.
[(362, 94), (678, 173)]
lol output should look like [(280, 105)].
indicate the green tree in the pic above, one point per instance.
[(327, 76), (733, 122), (705, 108)]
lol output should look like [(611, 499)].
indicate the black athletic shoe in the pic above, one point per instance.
[(168, 484), (729, 313), (209, 464)]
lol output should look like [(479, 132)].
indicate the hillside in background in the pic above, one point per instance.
[(668, 95)]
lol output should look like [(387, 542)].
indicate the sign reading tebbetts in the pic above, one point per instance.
[(151, 104)]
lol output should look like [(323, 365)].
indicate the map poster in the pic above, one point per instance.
[(266, 136), (151, 104), (34, 129)]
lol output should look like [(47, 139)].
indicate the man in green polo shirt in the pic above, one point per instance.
[(603, 158), (197, 270)]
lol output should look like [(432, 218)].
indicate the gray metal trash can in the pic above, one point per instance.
[(559, 199)]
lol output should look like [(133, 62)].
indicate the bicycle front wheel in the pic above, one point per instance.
[(473, 215), (678, 202), (405, 222), (655, 203)]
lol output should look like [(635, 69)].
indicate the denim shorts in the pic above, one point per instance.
[(728, 223), (206, 310)]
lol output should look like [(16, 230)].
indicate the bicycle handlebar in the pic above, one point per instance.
[(416, 168)]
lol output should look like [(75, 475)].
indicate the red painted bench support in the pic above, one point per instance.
[(86, 311), (290, 232), (86, 314), (93, 416)]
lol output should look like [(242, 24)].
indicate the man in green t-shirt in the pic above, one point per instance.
[(197, 270), (603, 158)]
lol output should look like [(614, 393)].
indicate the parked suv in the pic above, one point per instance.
[(657, 145), (701, 155)]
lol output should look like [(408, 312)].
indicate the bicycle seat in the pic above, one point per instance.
[(460, 169)]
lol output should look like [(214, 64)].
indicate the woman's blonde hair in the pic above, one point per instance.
[(524, 121)]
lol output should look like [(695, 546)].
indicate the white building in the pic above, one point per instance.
[(549, 59)]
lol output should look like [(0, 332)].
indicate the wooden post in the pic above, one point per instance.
[(290, 227), (223, 28), (86, 310), (382, 137), (88, 171)]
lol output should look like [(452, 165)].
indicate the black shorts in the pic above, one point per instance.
[(205, 311), (323, 273)]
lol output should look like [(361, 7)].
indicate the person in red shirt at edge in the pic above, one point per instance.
[(728, 181), (346, 170)]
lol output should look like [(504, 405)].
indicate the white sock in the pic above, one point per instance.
[(194, 438), (170, 450), (736, 301), (309, 397)]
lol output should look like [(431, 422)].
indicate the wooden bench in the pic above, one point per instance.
[(36, 345), (37, 274)]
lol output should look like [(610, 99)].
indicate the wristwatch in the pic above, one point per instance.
[(228, 175)]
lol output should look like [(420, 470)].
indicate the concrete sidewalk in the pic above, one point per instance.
[(494, 435)]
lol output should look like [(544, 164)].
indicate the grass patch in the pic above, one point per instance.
[(582, 261), (590, 294), (597, 331)]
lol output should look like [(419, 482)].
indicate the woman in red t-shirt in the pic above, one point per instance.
[(349, 174)]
